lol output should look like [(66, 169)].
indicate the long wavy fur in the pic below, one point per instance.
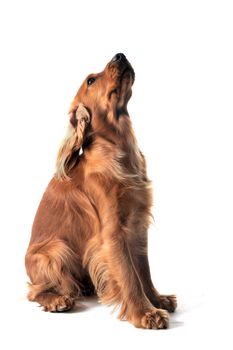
[(78, 120), (89, 235)]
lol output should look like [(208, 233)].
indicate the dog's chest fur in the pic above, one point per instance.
[(122, 172)]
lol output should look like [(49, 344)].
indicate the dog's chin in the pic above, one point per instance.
[(128, 73), (119, 103), (124, 82), (122, 92)]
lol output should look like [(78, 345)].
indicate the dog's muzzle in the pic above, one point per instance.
[(120, 62)]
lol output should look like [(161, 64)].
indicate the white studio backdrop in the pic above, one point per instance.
[(182, 113)]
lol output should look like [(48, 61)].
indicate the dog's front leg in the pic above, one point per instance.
[(113, 273), (135, 306), (139, 252), (166, 302), (117, 283)]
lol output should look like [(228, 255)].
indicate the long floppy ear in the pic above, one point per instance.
[(78, 120)]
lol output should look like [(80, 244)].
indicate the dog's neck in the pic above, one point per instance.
[(115, 130), (118, 141)]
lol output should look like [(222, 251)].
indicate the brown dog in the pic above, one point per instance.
[(90, 231)]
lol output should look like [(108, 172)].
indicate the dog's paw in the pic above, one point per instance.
[(60, 304), (168, 302), (156, 319)]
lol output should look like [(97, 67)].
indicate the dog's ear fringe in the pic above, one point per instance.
[(72, 142)]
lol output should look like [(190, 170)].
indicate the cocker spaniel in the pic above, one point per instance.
[(90, 232)]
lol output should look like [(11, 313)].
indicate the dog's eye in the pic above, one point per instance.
[(90, 81)]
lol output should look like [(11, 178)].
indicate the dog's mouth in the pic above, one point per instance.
[(124, 83), (128, 71)]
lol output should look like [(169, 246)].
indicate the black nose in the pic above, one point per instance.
[(118, 57)]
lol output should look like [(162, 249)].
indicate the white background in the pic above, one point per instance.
[(182, 111)]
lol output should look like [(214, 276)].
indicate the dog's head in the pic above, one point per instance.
[(108, 92), (101, 97)]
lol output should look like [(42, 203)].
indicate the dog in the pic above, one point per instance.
[(89, 234)]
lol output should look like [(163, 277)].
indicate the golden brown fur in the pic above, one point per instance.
[(90, 231)]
